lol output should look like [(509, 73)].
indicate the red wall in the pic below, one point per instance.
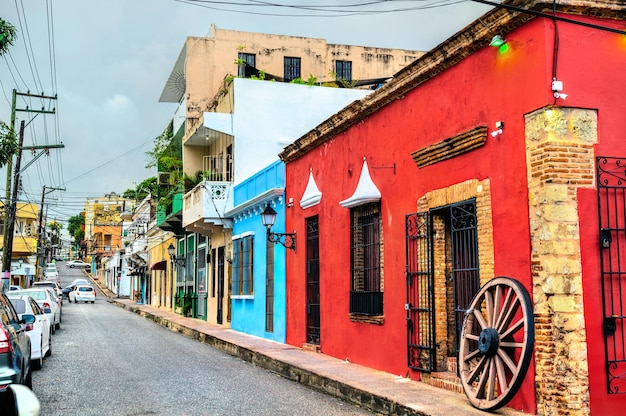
[(487, 87)]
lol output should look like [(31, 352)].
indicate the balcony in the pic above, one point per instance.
[(205, 205), (169, 211)]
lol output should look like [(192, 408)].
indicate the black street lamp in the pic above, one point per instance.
[(179, 260), (268, 216)]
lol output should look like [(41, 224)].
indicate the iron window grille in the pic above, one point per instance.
[(269, 287), (243, 254), (292, 68), (245, 59), (343, 70), (366, 295)]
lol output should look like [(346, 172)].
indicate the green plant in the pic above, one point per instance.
[(212, 176), (186, 308), (191, 181), (137, 295), (261, 76), (310, 81)]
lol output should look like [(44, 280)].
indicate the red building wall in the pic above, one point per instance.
[(486, 87)]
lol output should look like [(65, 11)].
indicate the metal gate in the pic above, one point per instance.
[(460, 243), (465, 270), (611, 179), (313, 333), (420, 293)]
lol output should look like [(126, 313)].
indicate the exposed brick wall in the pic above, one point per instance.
[(444, 302), (559, 143)]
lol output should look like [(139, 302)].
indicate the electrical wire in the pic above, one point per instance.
[(29, 48), (329, 11)]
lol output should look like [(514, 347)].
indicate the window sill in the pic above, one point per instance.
[(368, 319), (242, 297)]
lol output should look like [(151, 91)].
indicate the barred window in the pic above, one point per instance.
[(242, 266), (292, 68), (245, 59), (366, 296), (343, 70)]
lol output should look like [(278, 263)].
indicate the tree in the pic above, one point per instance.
[(8, 34), (8, 141), (8, 144), (163, 149), (141, 191), (75, 228)]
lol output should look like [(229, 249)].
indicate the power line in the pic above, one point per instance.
[(329, 11)]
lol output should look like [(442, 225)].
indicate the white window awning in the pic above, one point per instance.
[(312, 195), (366, 191)]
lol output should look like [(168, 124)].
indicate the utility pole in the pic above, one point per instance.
[(11, 208), (40, 252), (12, 189)]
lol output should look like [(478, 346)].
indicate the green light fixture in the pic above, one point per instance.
[(497, 41)]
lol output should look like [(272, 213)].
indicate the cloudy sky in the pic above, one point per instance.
[(107, 62)]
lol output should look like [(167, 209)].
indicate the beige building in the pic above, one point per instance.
[(204, 63), (200, 82)]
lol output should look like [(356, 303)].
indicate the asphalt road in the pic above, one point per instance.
[(108, 361)]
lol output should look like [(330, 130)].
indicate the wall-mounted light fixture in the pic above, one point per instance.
[(268, 216), (557, 88), (179, 260), (498, 130), (497, 41)]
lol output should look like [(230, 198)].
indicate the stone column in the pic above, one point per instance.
[(560, 159)]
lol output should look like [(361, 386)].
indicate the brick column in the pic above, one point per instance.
[(560, 159)]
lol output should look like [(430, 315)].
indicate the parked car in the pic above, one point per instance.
[(83, 293), (39, 331), (77, 264), (53, 284), (14, 346), (50, 273), (54, 279), (81, 282), (47, 300), (19, 400), (15, 287)]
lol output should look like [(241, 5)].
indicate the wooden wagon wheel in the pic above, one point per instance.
[(496, 343)]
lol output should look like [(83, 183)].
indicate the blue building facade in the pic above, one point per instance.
[(258, 267)]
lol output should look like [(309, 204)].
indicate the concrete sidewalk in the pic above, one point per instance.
[(379, 392)]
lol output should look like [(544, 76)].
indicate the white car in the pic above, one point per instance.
[(78, 264), (83, 293), (47, 301), (51, 273), (52, 284), (39, 331)]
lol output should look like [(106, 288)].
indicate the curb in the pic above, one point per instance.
[(311, 379)]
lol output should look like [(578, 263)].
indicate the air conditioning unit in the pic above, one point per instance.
[(164, 178)]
